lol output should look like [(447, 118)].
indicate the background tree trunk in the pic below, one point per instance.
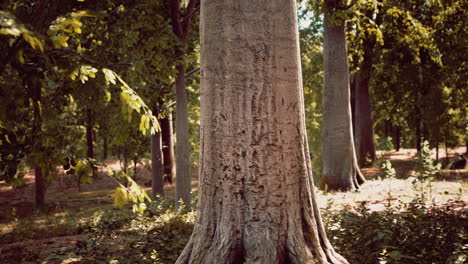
[(167, 133), (34, 86), (364, 132), (183, 180), (180, 25), (256, 196), (157, 165), (340, 167), (90, 136)]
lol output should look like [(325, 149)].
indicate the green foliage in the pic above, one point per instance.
[(388, 170), (130, 193), (425, 169), (411, 234), (384, 143)]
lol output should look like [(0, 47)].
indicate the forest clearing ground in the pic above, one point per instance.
[(68, 205)]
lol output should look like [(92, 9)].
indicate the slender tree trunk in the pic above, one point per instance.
[(157, 165), (104, 148), (168, 149), (256, 191), (183, 180), (90, 138), (40, 188), (418, 134), (397, 138), (340, 167), (180, 21), (36, 95), (364, 132), (135, 163), (89, 135)]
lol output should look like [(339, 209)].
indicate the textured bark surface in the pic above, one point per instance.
[(256, 199), (183, 180), (363, 128), (340, 167), (167, 133)]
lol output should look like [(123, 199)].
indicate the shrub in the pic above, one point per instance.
[(384, 143), (414, 235)]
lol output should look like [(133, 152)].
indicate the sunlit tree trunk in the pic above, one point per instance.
[(340, 167), (256, 198)]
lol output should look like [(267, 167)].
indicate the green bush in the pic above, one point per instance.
[(384, 143), (388, 170), (414, 235)]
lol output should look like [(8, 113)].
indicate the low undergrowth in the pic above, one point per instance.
[(405, 234)]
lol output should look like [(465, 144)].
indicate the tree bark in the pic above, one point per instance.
[(89, 134), (40, 188), (256, 199), (397, 138), (168, 149), (157, 165), (34, 86), (340, 167), (90, 138), (183, 180), (180, 25), (364, 132), (104, 148)]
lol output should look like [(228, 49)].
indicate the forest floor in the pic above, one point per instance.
[(67, 205)]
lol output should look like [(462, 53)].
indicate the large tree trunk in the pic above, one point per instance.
[(364, 132), (168, 149), (183, 180), (157, 166), (256, 199), (340, 167)]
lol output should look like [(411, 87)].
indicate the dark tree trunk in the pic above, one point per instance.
[(157, 165), (36, 95), (90, 138), (89, 134), (135, 163), (364, 132), (168, 149), (40, 188), (104, 148), (183, 180), (397, 138), (418, 134)]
